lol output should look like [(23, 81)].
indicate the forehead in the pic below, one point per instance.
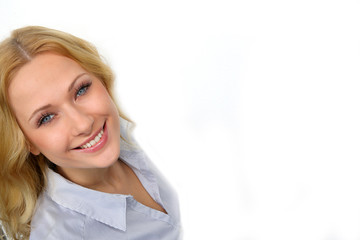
[(45, 68), (41, 81)]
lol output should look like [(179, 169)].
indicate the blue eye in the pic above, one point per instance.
[(45, 118), (82, 89)]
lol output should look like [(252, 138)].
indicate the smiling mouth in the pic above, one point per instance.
[(95, 139)]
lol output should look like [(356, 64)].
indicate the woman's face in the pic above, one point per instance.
[(61, 108)]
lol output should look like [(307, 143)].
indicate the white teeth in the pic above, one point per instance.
[(94, 141)]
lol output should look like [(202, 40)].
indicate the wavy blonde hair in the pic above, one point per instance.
[(22, 174)]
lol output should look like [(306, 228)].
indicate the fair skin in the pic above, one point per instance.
[(67, 115)]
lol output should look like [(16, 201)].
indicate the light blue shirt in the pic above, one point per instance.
[(69, 211)]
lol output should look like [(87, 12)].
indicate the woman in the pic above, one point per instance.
[(69, 168)]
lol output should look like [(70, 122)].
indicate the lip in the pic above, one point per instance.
[(98, 145)]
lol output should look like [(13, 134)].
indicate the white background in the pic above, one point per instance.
[(250, 108)]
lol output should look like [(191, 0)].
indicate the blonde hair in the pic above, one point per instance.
[(22, 174)]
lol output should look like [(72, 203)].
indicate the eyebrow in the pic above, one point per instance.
[(73, 83), (71, 86)]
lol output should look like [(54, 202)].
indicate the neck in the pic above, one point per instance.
[(109, 179)]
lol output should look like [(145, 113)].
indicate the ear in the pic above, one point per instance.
[(34, 150)]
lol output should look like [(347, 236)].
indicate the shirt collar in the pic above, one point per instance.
[(130, 152), (107, 208)]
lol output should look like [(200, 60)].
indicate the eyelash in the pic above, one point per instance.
[(84, 85), (43, 116)]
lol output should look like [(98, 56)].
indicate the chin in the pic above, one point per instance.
[(109, 159)]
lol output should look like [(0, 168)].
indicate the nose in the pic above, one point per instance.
[(81, 123)]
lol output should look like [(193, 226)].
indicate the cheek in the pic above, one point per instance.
[(103, 101), (53, 142)]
